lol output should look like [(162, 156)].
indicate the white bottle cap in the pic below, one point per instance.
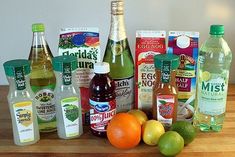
[(101, 68), (183, 41)]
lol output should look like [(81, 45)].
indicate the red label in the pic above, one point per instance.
[(101, 113), (165, 109), (84, 92)]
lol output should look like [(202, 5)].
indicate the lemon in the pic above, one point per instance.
[(139, 115), (186, 130), (171, 143), (206, 76), (152, 131)]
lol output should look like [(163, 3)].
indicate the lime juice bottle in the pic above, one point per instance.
[(67, 95), (119, 57), (212, 81), (42, 79)]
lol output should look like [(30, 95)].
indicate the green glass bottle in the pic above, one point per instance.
[(118, 55), (42, 79), (212, 81)]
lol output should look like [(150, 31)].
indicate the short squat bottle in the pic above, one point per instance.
[(68, 100), (21, 102), (102, 99)]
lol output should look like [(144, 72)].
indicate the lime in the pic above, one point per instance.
[(206, 76), (185, 129), (170, 143)]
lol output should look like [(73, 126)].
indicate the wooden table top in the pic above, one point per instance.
[(205, 144)]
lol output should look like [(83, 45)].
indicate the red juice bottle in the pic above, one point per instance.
[(102, 99)]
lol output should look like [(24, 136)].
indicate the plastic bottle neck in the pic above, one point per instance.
[(117, 29), (216, 36), (13, 86)]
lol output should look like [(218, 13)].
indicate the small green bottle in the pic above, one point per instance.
[(42, 79), (212, 81), (119, 57)]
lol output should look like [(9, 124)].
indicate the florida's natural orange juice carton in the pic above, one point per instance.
[(82, 42)]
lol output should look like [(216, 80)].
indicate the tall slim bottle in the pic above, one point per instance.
[(42, 79), (118, 55), (212, 81)]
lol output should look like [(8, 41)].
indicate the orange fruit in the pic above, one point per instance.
[(124, 131)]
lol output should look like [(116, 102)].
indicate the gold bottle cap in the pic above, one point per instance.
[(117, 7)]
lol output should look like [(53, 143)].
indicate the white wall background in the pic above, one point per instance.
[(16, 17)]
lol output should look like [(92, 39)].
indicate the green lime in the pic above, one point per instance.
[(185, 129), (171, 143)]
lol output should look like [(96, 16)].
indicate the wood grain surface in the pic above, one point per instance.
[(205, 144)]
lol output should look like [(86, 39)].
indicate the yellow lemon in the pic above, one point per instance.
[(152, 130)]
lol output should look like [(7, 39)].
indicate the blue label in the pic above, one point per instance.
[(100, 106)]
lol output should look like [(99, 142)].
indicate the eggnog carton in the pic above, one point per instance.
[(185, 45), (84, 44), (148, 44)]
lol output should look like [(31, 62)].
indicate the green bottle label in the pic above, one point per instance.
[(166, 72), (70, 111), (67, 74), (19, 78), (212, 92)]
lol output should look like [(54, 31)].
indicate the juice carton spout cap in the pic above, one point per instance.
[(101, 68), (183, 41)]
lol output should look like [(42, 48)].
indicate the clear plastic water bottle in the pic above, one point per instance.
[(212, 81)]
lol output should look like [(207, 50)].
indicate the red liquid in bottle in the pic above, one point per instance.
[(102, 99)]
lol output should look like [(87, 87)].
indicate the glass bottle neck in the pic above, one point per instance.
[(38, 39), (117, 29)]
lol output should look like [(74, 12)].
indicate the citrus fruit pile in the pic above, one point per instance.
[(126, 130)]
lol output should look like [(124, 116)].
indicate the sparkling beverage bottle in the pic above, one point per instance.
[(212, 81), (118, 55), (42, 79)]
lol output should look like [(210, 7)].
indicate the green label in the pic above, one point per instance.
[(70, 111), (212, 92), (19, 78), (67, 74), (166, 71)]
